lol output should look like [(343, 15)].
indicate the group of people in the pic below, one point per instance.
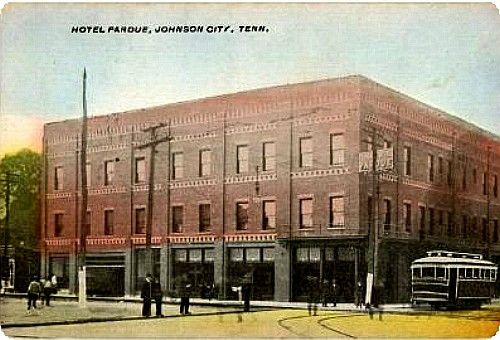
[(151, 290), (327, 292), (41, 289)]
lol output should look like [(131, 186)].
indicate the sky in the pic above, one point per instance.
[(446, 55)]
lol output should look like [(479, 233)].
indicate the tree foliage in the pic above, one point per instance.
[(26, 165)]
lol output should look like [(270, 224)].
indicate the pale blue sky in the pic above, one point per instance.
[(446, 55)]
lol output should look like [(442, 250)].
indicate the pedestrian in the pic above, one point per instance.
[(185, 293), (53, 280), (359, 294), (312, 295), (324, 292), (34, 291), (246, 292), (47, 291), (333, 293), (157, 294), (146, 294)]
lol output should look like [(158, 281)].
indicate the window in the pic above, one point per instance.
[(88, 223), (337, 148), (140, 220), (109, 222), (428, 272), (269, 215), (485, 183), (430, 168), (387, 144), (387, 214), (407, 216), (495, 231), (58, 178), (204, 217), (241, 159), (407, 160), (205, 163), (109, 172), (58, 224), (337, 211), (241, 215), (432, 221), (88, 170), (177, 218), (440, 169), (448, 173), (177, 165), (306, 210), (306, 152), (464, 226), (485, 230), (495, 185), (269, 156), (440, 273), (450, 223), (421, 222), (464, 178), (140, 170)]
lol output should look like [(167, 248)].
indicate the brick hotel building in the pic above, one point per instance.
[(264, 185)]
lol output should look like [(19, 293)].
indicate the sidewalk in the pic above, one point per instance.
[(13, 312)]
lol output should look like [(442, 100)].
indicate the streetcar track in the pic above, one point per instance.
[(320, 322)]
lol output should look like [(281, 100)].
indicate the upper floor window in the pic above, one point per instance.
[(140, 220), (337, 148), (88, 170), (109, 172), (88, 223), (269, 215), (485, 183), (387, 214), (448, 173), (177, 219), (407, 160), (407, 216), (241, 159), (432, 221), (495, 185), (440, 169), (58, 224), (485, 229), (177, 165), (306, 152), (140, 170), (241, 215), (464, 178), (205, 165), (204, 217), (337, 214), (58, 178), (269, 156), (421, 222), (109, 215), (306, 213), (430, 168)]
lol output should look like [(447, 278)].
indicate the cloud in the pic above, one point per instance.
[(17, 132)]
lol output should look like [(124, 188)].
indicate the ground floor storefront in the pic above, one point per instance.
[(281, 270)]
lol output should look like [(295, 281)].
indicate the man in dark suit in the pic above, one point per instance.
[(146, 295), (158, 296)]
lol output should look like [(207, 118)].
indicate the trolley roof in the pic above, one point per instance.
[(449, 257)]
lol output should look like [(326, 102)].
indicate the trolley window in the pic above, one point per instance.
[(428, 272), (461, 273), (476, 273), (416, 272), (487, 274), (440, 273), (468, 272), (494, 274)]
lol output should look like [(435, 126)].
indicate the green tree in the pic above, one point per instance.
[(24, 222)]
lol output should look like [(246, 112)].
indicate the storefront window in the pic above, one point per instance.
[(236, 254), (253, 254)]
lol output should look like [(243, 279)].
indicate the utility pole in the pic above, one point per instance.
[(152, 144), (82, 275), (488, 202)]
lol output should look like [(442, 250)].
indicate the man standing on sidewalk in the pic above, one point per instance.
[(158, 296), (34, 290), (146, 294)]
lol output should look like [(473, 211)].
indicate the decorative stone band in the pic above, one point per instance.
[(60, 242), (246, 179), (192, 239), (320, 172), (142, 239), (107, 191), (321, 119), (60, 195), (106, 241), (193, 183), (249, 237)]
